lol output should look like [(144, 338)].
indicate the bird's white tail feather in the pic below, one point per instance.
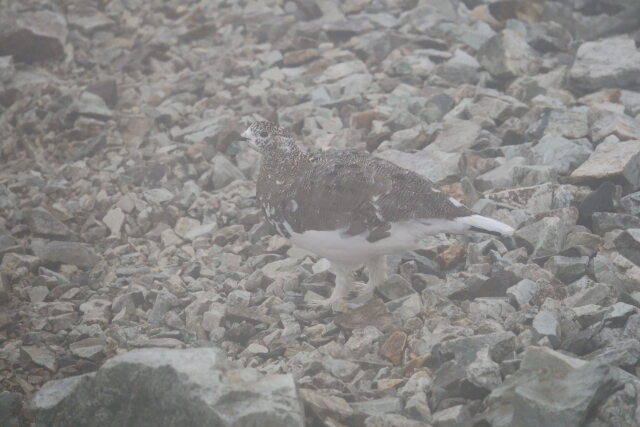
[(482, 223)]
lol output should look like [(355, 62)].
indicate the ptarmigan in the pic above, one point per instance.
[(351, 207)]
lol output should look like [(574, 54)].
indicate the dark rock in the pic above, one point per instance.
[(605, 221), (567, 269), (11, 409), (44, 224), (628, 244), (72, 253), (550, 389), (172, 388), (604, 199), (507, 55), (33, 36)]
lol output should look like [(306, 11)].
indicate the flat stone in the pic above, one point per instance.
[(611, 62), (545, 237), (561, 154), (158, 195), (248, 313), (628, 244), (384, 405), (89, 348), (324, 405), (72, 253), (41, 356), (604, 222), (395, 287), (567, 269), (224, 172), (44, 224), (456, 136)]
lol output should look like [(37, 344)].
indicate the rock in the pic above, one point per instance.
[(611, 62), (561, 154), (546, 325), (96, 311), (323, 405), (630, 203), (604, 222), (433, 164), (545, 237), (456, 136), (550, 389), (41, 356), (395, 287), (89, 348), (393, 347), (628, 244), (378, 406), (391, 420), (501, 176), (522, 292), (455, 416), (10, 409), (72, 253), (33, 36), (224, 172), (89, 104), (374, 313), (623, 127), (567, 269), (114, 219), (7, 69), (507, 55), (193, 386), (44, 224)]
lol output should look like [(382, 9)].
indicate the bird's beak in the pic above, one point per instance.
[(246, 136)]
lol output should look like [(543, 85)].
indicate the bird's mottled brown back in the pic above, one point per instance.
[(348, 190)]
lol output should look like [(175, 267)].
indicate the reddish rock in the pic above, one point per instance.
[(393, 347)]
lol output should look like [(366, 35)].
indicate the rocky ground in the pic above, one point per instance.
[(128, 217)]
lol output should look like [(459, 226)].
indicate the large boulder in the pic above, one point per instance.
[(167, 387)]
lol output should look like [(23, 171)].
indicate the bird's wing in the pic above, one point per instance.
[(358, 193)]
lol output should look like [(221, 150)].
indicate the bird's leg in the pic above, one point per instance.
[(344, 283), (377, 271)]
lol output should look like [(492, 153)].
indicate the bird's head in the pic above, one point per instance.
[(268, 137)]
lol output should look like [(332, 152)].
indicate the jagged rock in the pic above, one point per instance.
[(550, 389), (194, 386), (546, 325), (33, 36), (612, 62), (44, 224), (72, 253), (507, 55), (561, 154)]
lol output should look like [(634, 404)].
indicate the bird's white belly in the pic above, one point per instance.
[(339, 246)]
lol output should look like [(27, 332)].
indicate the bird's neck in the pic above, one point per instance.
[(284, 156)]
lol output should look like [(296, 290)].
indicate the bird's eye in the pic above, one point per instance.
[(264, 134)]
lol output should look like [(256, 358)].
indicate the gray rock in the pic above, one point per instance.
[(41, 356), (546, 325), (561, 154), (33, 36), (91, 348), (44, 224), (507, 55), (631, 203), (433, 164), (456, 136), (391, 420), (622, 127), (544, 238), (604, 222), (611, 160), (461, 68), (224, 172), (530, 175), (90, 105), (550, 389), (384, 405), (72, 253), (7, 69), (567, 123), (501, 176), (455, 416), (628, 244), (567, 269), (11, 409), (611, 62), (522, 292), (179, 387), (395, 287)]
